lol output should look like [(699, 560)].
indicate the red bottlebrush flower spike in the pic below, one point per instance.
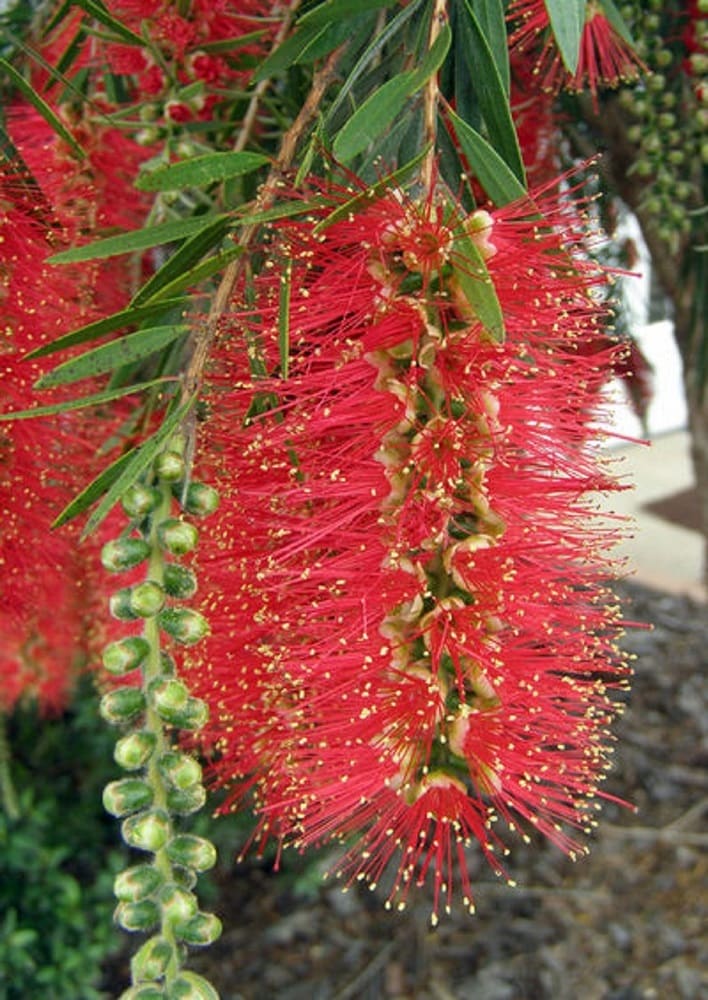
[(605, 58), (412, 634)]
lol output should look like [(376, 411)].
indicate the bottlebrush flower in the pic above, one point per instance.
[(605, 58), (412, 632)]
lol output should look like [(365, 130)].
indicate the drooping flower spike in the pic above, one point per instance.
[(413, 639)]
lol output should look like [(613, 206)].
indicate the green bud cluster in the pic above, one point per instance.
[(670, 118), (156, 895)]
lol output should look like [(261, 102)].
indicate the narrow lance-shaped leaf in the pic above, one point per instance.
[(139, 239), (41, 106), (498, 180), (567, 19), (338, 10), (182, 259), (200, 171), (96, 399), (200, 272), (490, 14), (99, 11), (107, 357), (477, 286)]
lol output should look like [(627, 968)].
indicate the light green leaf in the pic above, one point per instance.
[(291, 52), (567, 19), (107, 357), (182, 259), (477, 286), (501, 184), (96, 488), (338, 10), (205, 269), (126, 317), (96, 9), (138, 239), (79, 404), (200, 171), (493, 100), (490, 14), (617, 21), (41, 106)]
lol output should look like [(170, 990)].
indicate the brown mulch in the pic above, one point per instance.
[(629, 922)]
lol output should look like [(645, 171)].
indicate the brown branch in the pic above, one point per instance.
[(431, 96)]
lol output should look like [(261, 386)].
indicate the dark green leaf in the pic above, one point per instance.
[(567, 22), (477, 286), (79, 404), (229, 44), (41, 107), (284, 319), (617, 21), (291, 52), (126, 317), (96, 488), (490, 14), (501, 184), (492, 97), (138, 239), (283, 211), (200, 171), (205, 269), (96, 9), (182, 259), (338, 10), (107, 357), (373, 117)]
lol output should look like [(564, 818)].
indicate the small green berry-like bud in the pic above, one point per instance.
[(139, 500), (151, 960), (184, 625), (179, 769), (148, 831), (179, 581), (124, 553), (136, 883), (201, 929), (119, 605), (170, 466), (121, 705), (178, 905), (191, 986), (168, 696), (145, 992), (192, 852), (186, 801), (201, 500), (125, 655), (127, 795), (176, 536), (134, 750), (147, 599), (193, 714), (142, 916)]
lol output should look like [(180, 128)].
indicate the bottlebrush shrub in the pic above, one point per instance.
[(413, 641)]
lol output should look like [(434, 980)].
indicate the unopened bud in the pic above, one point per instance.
[(148, 831), (192, 852), (127, 795), (186, 801), (184, 625), (134, 750), (176, 536), (121, 705), (147, 599), (120, 607), (141, 916), (125, 655), (136, 883), (168, 695), (170, 466), (143, 992), (151, 960), (179, 769), (201, 929), (194, 714), (179, 581), (191, 986), (178, 905), (201, 500), (139, 500), (124, 553)]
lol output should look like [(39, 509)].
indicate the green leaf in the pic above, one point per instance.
[(283, 211), (97, 10), (182, 259), (617, 21), (291, 52), (493, 101), (126, 317), (96, 488), (338, 10), (501, 184), (391, 181), (79, 404), (490, 14), (107, 357), (477, 286), (202, 271), (41, 106), (567, 19), (284, 319), (138, 239), (200, 171)]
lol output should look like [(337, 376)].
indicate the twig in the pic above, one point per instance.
[(354, 988), (430, 98), (672, 833)]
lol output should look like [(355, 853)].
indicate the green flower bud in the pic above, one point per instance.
[(122, 705), (151, 960), (124, 553), (191, 986), (147, 599), (125, 655), (136, 883), (148, 831), (201, 500), (168, 667), (168, 694), (194, 714), (141, 916), (150, 992), (178, 905), (134, 750), (185, 801), (179, 581), (201, 929), (127, 795), (184, 625), (176, 536), (185, 878), (139, 500), (192, 852), (179, 769), (170, 466), (119, 605)]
